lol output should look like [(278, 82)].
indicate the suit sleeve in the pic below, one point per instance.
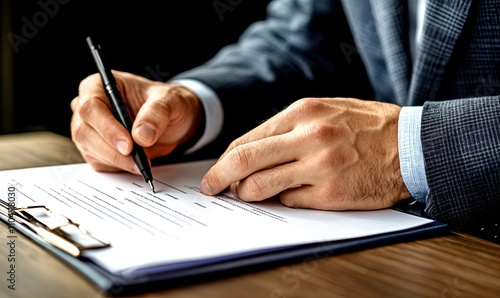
[(287, 56), (461, 146)]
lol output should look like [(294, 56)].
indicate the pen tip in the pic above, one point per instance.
[(152, 186)]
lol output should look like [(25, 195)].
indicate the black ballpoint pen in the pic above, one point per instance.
[(120, 110)]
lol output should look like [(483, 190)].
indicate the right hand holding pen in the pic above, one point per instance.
[(164, 116)]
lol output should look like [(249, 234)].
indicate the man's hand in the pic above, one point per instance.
[(320, 153), (165, 117)]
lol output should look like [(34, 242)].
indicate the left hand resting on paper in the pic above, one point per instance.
[(319, 153)]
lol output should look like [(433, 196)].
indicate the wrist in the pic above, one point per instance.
[(397, 177)]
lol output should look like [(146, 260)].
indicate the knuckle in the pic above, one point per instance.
[(76, 130), (90, 79), (117, 160), (255, 186), (321, 131), (235, 143), (286, 200), (110, 132), (74, 103), (158, 111), (84, 107), (307, 105), (242, 157)]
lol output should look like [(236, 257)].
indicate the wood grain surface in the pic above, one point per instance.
[(35, 149)]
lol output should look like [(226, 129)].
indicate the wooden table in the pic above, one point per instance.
[(452, 265), (36, 149)]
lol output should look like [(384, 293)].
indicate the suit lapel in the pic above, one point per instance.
[(444, 20), (392, 27)]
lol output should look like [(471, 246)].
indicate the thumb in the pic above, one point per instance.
[(169, 116), (151, 119)]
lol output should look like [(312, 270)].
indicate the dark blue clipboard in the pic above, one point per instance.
[(158, 278)]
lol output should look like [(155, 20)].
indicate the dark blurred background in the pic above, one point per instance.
[(45, 55)]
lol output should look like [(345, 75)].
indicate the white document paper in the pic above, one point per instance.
[(178, 226)]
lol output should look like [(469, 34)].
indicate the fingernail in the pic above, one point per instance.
[(146, 132), (204, 187), (122, 146)]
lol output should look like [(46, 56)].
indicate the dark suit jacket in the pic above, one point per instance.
[(322, 47)]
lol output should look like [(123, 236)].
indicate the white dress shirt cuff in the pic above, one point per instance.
[(214, 114), (411, 157)]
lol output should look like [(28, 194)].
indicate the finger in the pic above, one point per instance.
[(166, 117), (92, 86), (269, 182), (244, 160), (74, 103), (100, 167), (307, 197), (96, 114), (97, 152), (151, 120), (279, 124), (94, 108)]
